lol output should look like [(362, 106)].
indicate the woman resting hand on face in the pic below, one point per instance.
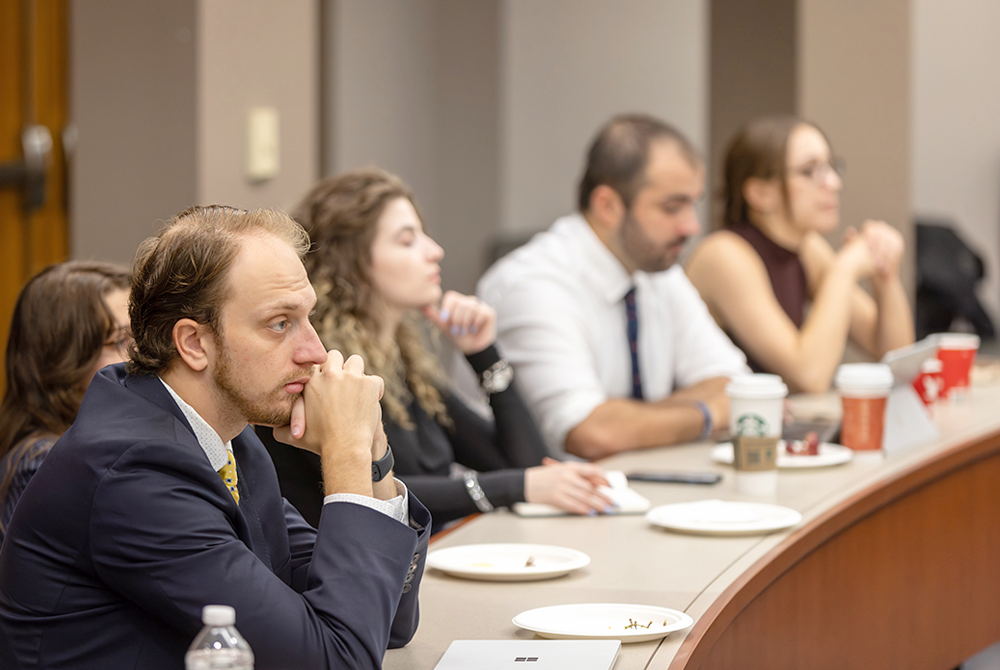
[(758, 274), (70, 320), (377, 275)]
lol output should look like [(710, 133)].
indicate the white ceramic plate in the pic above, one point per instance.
[(719, 517), (829, 454), (507, 562), (603, 621)]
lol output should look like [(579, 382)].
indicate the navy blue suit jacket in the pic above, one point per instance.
[(127, 531)]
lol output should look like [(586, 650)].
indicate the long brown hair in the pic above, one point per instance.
[(341, 215), (60, 324), (759, 150)]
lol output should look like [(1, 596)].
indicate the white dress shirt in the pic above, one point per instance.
[(562, 325), (218, 453)]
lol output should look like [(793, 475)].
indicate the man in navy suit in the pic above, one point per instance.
[(160, 499)]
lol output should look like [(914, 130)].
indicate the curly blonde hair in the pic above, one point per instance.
[(341, 215)]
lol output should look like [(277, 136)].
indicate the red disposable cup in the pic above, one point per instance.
[(863, 423), (956, 351), (864, 389)]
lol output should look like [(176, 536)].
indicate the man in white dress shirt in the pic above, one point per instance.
[(612, 345)]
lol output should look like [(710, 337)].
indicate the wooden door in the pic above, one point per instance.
[(33, 92)]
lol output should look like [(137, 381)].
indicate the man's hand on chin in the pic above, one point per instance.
[(339, 417), (292, 431)]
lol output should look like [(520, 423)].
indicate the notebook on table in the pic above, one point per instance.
[(530, 655)]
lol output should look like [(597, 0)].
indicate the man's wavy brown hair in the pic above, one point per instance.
[(341, 215), (181, 274)]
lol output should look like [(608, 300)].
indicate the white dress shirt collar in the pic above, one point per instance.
[(215, 449), (606, 273)]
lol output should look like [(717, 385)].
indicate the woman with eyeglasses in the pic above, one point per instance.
[(771, 279), (70, 320)]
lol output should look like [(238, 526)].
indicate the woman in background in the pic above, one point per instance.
[(757, 275), (377, 277), (70, 320)]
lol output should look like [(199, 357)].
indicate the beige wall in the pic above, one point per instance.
[(159, 96), (486, 108), (134, 105), (753, 59), (257, 53), (956, 124), (411, 86), (568, 66), (470, 115), (383, 90)]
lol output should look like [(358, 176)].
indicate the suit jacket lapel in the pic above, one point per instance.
[(247, 522)]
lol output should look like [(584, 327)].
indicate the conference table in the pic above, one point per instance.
[(895, 564)]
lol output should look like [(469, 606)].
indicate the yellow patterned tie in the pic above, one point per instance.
[(228, 474)]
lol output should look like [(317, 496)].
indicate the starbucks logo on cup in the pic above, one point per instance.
[(751, 425)]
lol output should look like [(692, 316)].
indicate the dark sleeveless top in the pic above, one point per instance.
[(788, 279)]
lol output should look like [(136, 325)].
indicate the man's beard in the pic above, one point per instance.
[(265, 410), (643, 252)]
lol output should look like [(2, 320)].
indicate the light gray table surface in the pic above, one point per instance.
[(637, 563)]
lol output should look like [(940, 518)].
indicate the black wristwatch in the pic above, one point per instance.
[(382, 466)]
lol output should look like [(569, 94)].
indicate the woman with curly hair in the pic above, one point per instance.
[(377, 276), (70, 321)]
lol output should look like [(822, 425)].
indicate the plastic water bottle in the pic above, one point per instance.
[(219, 646)]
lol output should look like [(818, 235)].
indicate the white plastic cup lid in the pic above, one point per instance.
[(756, 386), (218, 615), (863, 376), (958, 341)]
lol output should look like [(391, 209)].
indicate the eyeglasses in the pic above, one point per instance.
[(120, 340), (819, 173)]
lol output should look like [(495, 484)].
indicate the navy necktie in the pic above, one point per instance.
[(633, 342)]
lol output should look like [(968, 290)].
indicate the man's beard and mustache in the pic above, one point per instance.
[(272, 408), (645, 254)]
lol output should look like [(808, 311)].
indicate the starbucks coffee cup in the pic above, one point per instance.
[(756, 410), (864, 389), (756, 405)]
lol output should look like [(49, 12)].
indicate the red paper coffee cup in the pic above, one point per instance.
[(956, 351), (864, 388)]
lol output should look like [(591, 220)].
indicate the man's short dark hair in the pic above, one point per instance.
[(619, 154), (181, 274)]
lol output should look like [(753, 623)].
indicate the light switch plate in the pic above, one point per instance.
[(263, 144)]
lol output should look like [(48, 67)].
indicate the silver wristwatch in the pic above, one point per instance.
[(476, 492), (497, 377)]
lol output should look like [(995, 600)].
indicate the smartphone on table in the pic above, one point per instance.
[(676, 477)]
